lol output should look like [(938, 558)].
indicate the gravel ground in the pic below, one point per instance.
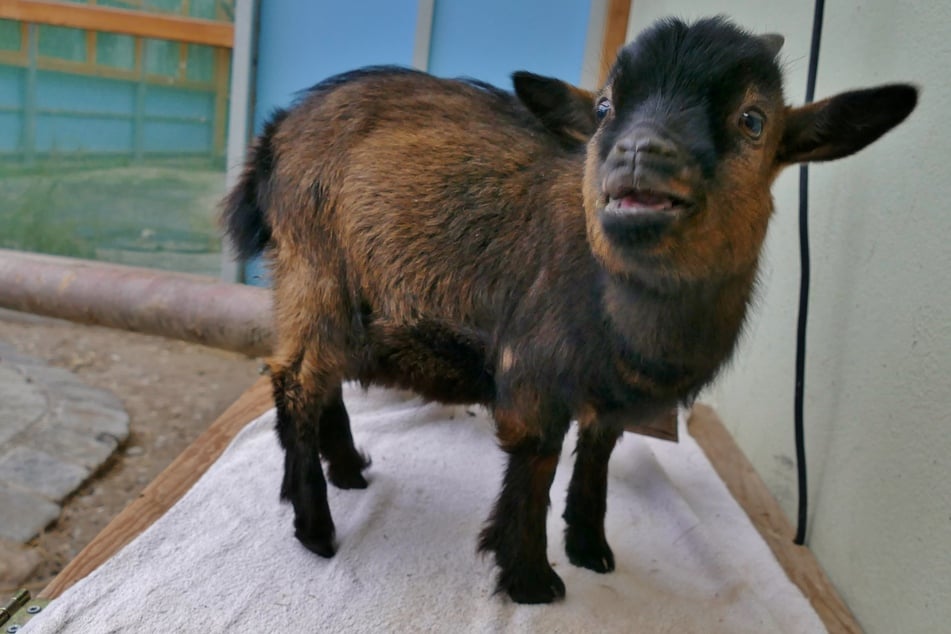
[(172, 392)]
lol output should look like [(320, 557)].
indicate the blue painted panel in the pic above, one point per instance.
[(117, 51), (177, 138), (56, 133), (10, 124), (490, 39), (11, 86), (303, 42), (257, 272), (10, 35), (175, 102), (81, 93), (161, 57), (62, 42), (201, 63)]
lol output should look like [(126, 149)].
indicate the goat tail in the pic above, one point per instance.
[(243, 211)]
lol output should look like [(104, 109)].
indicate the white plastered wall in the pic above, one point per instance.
[(878, 384)]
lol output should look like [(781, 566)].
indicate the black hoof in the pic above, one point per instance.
[(533, 587), (316, 533), (323, 546), (348, 473), (586, 550), (346, 479)]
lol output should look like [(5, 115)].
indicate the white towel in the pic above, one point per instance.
[(224, 558)]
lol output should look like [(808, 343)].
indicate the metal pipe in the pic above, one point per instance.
[(188, 307)]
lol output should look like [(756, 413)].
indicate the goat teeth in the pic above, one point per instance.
[(644, 201)]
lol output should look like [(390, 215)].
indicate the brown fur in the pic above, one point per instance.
[(446, 237)]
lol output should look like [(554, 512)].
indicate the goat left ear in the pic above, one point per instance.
[(844, 124), (773, 42), (565, 110)]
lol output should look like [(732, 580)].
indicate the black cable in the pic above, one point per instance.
[(804, 289)]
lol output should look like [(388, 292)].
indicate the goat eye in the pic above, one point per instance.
[(603, 108), (753, 122)]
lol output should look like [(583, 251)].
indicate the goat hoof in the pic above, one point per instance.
[(345, 472), (529, 587), (586, 551), (323, 546), (316, 536), (348, 480)]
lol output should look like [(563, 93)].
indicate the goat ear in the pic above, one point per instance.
[(844, 124), (565, 110), (773, 42)]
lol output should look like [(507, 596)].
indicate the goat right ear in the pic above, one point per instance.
[(567, 111), (844, 124)]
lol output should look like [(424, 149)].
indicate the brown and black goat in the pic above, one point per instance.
[(553, 254)]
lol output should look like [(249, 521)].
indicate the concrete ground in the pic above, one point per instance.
[(55, 432)]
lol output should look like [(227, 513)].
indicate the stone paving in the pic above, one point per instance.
[(55, 432)]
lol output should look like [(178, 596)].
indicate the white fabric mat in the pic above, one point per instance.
[(224, 558)]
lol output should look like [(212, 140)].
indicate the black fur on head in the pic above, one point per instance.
[(688, 79), (692, 130)]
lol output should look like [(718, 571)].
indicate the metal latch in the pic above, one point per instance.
[(19, 609)]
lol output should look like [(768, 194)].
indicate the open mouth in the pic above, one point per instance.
[(645, 201), (635, 217)]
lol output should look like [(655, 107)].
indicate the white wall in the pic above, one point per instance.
[(878, 384)]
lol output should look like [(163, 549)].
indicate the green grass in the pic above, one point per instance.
[(160, 215), (28, 223)]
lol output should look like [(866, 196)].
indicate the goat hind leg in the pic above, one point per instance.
[(345, 464), (299, 407)]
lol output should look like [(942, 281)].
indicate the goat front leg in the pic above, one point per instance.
[(515, 532), (585, 542)]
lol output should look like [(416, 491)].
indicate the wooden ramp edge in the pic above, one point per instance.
[(749, 490), (727, 459)]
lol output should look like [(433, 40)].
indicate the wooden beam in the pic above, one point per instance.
[(166, 489), (24, 38), (13, 58), (615, 34), (112, 20), (188, 307), (222, 85), (764, 511), (141, 89), (181, 72), (28, 131), (90, 48)]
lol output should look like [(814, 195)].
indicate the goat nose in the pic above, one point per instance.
[(644, 142), (652, 143), (625, 146)]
